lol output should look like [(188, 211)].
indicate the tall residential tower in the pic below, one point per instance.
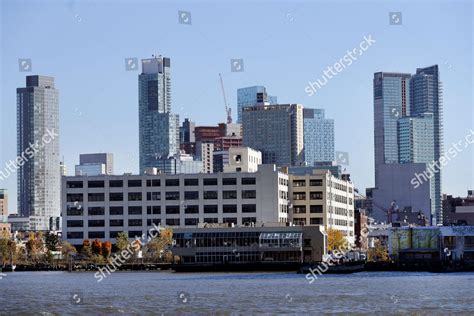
[(318, 137)]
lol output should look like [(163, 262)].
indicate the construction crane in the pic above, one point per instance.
[(228, 110)]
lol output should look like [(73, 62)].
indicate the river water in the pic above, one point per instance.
[(167, 293)]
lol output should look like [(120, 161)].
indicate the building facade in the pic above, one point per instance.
[(243, 159), (105, 159), (39, 181), (319, 144), (319, 198), (101, 207), (276, 131), (158, 127), (248, 97)]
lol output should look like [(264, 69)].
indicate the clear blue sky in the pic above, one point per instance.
[(284, 45)]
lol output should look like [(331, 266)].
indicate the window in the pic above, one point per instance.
[(95, 184), (172, 209), (316, 182), (248, 220), (75, 235), (191, 209), (156, 209), (155, 221), (134, 210), (116, 196), (249, 208), (211, 220), (116, 210), (96, 197), (134, 233), (172, 182), (134, 196), (299, 196), (316, 195), (172, 221), (96, 211), (299, 183), (153, 183), (316, 221), (229, 208), (191, 221), (299, 221), (230, 220), (229, 181), (95, 235), (74, 211), (210, 181), (229, 195), (249, 194), (172, 196), (134, 183), (75, 224), (116, 222), (115, 183), (191, 195), (316, 209), (210, 208), (153, 196), (134, 222), (96, 223), (299, 209), (210, 195), (75, 197), (114, 234), (74, 184), (191, 182), (248, 181)]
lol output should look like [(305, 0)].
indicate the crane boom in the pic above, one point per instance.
[(228, 110)]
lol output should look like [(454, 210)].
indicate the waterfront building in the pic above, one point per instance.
[(39, 182), (102, 206), (319, 198), (233, 247), (158, 127), (243, 159), (319, 144), (276, 131), (458, 211), (250, 96)]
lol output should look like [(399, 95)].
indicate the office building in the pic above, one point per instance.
[(250, 96), (205, 153), (158, 127), (39, 182), (96, 161), (181, 163), (319, 198), (318, 137), (186, 132), (276, 131), (243, 159), (101, 207)]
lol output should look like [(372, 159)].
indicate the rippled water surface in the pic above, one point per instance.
[(132, 293)]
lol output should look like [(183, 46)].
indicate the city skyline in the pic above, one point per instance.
[(82, 114)]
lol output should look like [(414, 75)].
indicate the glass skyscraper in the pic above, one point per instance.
[(248, 97), (158, 127), (39, 182), (318, 137)]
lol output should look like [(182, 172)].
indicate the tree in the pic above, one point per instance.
[(336, 240), (379, 252), (51, 241), (158, 247), (106, 249), (86, 248), (122, 241), (67, 248), (35, 246), (97, 247)]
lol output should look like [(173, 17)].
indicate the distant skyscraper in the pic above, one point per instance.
[(3, 205), (186, 132), (276, 131), (248, 97), (95, 164), (158, 127), (318, 136), (408, 126), (39, 182)]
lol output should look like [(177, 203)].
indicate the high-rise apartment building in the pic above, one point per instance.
[(158, 127), (39, 182), (276, 131), (318, 137), (250, 96)]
